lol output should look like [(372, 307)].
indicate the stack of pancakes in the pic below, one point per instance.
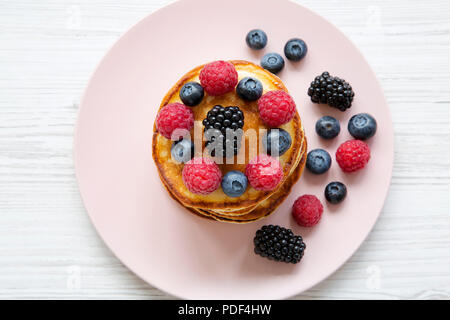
[(253, 204)]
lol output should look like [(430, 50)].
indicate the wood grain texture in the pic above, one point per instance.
[(48, 51)]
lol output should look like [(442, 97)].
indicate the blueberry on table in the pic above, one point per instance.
[(272, 62), (335, 192), (362, 126), (318, 161), (328, 127), (256, 39), (295, 49)]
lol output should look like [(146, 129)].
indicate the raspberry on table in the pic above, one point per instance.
[(201, 175), (264, 172), (307, 210), (218, 77), (276, 108), (172, 117), (353, 155)]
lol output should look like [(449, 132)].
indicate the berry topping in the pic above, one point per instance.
[(182, 151), (328, 127), (234, 183), (335, 192), (362, 126), (201, 175), (318, 161), (191, 94), (173, 120), (264, 172), (256, 39), (276, 108), (307, 210), (334, 91), (295, 49), (279, 244), (218, 77), (276, 142), (353, 155), (223, 125), (272, 62), (249, 89)]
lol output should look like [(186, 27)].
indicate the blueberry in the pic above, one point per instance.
[(362, 126), (183, 150), (234, 183), (335, 192), (256, 39), (272, 62), (318, 161), (249, 89), (191, 94), (295, 49), (328, 127), (276, 142)]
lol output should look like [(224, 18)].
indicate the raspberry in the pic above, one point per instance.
[(307, 210), (218, 77), (276, 108), (172, 117), (201, 175), (264, 172), (352, 155)]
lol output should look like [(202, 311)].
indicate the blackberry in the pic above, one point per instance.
[(334, 91), (279, 244), (224, 125)]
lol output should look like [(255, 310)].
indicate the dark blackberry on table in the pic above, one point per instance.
[(224, 125), (279, 244), (334, 91)]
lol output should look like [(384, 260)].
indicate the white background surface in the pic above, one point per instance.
[(48, 247)]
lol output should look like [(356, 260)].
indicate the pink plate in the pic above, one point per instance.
[(160, 241)]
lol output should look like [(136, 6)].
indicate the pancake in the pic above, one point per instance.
[(266, 207), (241, 213), (267, 203), (218, 202)]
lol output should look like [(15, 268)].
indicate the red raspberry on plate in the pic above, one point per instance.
[(201, 175), (276, 108), (264, 172), (307, 210), (352, 155), (218, 77), (174, 116)]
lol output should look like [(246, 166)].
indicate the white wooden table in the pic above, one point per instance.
[(48, 247)]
